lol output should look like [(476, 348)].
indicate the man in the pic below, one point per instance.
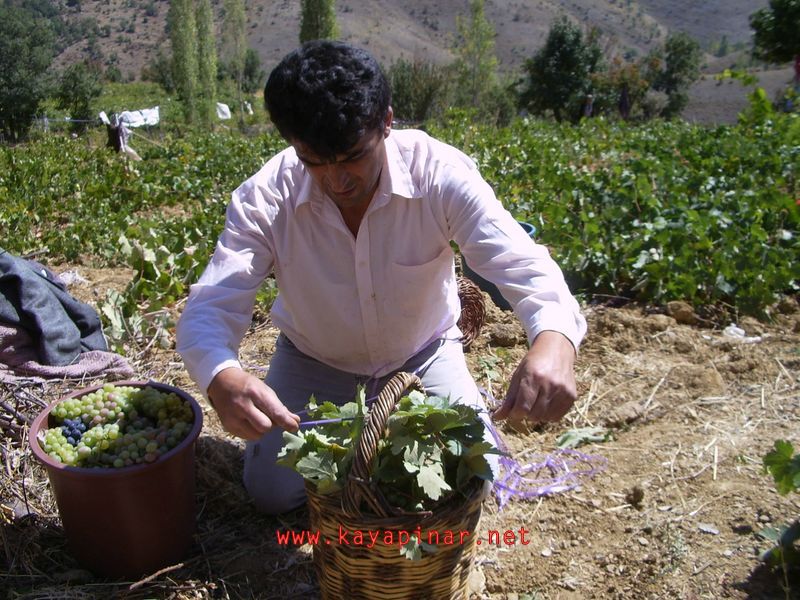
[(356, 221)]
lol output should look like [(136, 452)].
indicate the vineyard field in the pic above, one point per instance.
[(667, 232)]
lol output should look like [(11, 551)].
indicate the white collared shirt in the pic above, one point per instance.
[(366, 304)]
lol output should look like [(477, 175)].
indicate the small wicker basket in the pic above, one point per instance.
[(346, 569), (473, 311)]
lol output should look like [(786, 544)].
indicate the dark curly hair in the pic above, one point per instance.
[(327, 95)]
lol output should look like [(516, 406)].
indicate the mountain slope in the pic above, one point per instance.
[(131, 31)]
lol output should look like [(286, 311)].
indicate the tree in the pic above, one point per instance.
[(777, 33), (558, 77), (26, 51), (724, 47), (235, 46), (253, 76), (160, 69), (673, 69), (318, 20), (207, 61), (476, 64), (183, 34), (620, 88), (78, 87), (418, 89)]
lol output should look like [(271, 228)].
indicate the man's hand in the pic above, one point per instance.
[(248, 407), (543, 386)]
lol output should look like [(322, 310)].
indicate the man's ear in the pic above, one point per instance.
[(387, 125)]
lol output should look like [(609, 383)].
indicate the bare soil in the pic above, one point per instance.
[(719, 102), (687, 413)]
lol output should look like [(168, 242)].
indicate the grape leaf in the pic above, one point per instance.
[(431, 447), (390, 468), (442, 421), (431, 480), (318, 467), (400, 441), (476, 463), (291, 451), (455, 447), (411, 549), (411, 457), (784, 468), (577, 437)]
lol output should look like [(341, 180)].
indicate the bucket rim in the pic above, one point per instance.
[(529, 228), (40, 424)]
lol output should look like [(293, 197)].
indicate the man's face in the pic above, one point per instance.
[(351, 178)]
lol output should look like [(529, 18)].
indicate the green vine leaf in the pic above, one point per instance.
[(783, 466)]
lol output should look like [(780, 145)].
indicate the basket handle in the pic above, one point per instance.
[(359, 487)]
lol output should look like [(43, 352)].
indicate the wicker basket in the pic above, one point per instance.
[(355, 571), (473, 311)]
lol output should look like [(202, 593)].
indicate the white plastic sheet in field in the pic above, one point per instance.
[(223, 111), (139, 118)]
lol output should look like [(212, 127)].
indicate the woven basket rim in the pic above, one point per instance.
[(456, 502)]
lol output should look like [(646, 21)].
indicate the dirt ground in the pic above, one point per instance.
[(682, 413)]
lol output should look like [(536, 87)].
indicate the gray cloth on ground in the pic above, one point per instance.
[(60, 326)]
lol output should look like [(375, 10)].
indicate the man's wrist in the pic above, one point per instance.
[(552, 336), (218, 380)]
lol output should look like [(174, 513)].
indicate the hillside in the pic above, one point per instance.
[(128, 33), (132, 30)]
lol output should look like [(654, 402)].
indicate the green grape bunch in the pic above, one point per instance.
[(117, 426)]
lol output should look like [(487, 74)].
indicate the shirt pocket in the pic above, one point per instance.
[(421, 290)]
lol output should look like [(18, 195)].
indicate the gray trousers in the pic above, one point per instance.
[(295, 377)]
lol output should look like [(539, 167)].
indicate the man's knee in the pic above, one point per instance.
[(275, 498), (274, 489)]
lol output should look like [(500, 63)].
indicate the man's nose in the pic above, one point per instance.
[(335, 175)]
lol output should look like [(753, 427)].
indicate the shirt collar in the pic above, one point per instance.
[(307, 191), (395, 180), (402, 184)]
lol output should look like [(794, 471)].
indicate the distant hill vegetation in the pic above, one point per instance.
[(130, 32)]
